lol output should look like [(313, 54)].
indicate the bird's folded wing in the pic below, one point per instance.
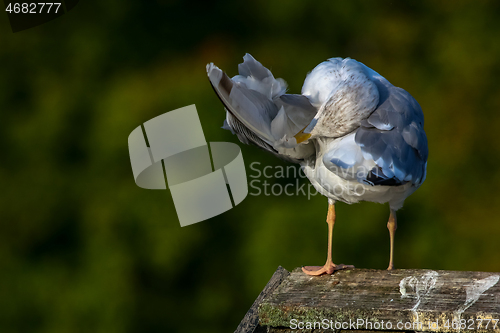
[(392, 138), (344, 158)]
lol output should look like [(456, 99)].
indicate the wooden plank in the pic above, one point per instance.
[(367, 299), (251, 320)]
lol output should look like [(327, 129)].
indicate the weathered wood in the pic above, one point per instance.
[(365, 299), (251, 320)]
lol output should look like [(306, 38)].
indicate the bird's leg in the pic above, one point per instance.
[(329, 266), (392, 225)]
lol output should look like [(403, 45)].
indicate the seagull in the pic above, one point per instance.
[(356, 136)]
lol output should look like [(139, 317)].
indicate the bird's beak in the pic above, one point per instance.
[(301, 136)]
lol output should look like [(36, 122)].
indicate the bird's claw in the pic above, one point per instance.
[(326, 269)]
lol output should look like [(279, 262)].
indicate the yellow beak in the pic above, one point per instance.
[(301, 136)]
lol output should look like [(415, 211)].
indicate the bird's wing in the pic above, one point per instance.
[(296, 112), (254, 110), (392, 138), (259, 111), (345, 158)]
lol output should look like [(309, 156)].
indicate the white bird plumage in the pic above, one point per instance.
[(356, 136)]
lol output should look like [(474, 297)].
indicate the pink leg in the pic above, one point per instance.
[(329, 267), (392, 225)]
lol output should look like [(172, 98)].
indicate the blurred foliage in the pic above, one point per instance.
[(83, 249)]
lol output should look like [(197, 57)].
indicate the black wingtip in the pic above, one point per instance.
[(373, 178)]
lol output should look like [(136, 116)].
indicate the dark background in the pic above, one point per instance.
[(83, 249)]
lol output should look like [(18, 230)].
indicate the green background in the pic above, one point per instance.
[(83, 249)]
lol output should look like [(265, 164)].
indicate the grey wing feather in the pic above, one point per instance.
[(393, 136), (251, 67), (249, 106), (246, 136), (298, 108), (258, 112), (223, 90)]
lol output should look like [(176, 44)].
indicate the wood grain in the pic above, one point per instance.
[(409, 297)]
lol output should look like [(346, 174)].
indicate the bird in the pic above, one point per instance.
[(356, 136)]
